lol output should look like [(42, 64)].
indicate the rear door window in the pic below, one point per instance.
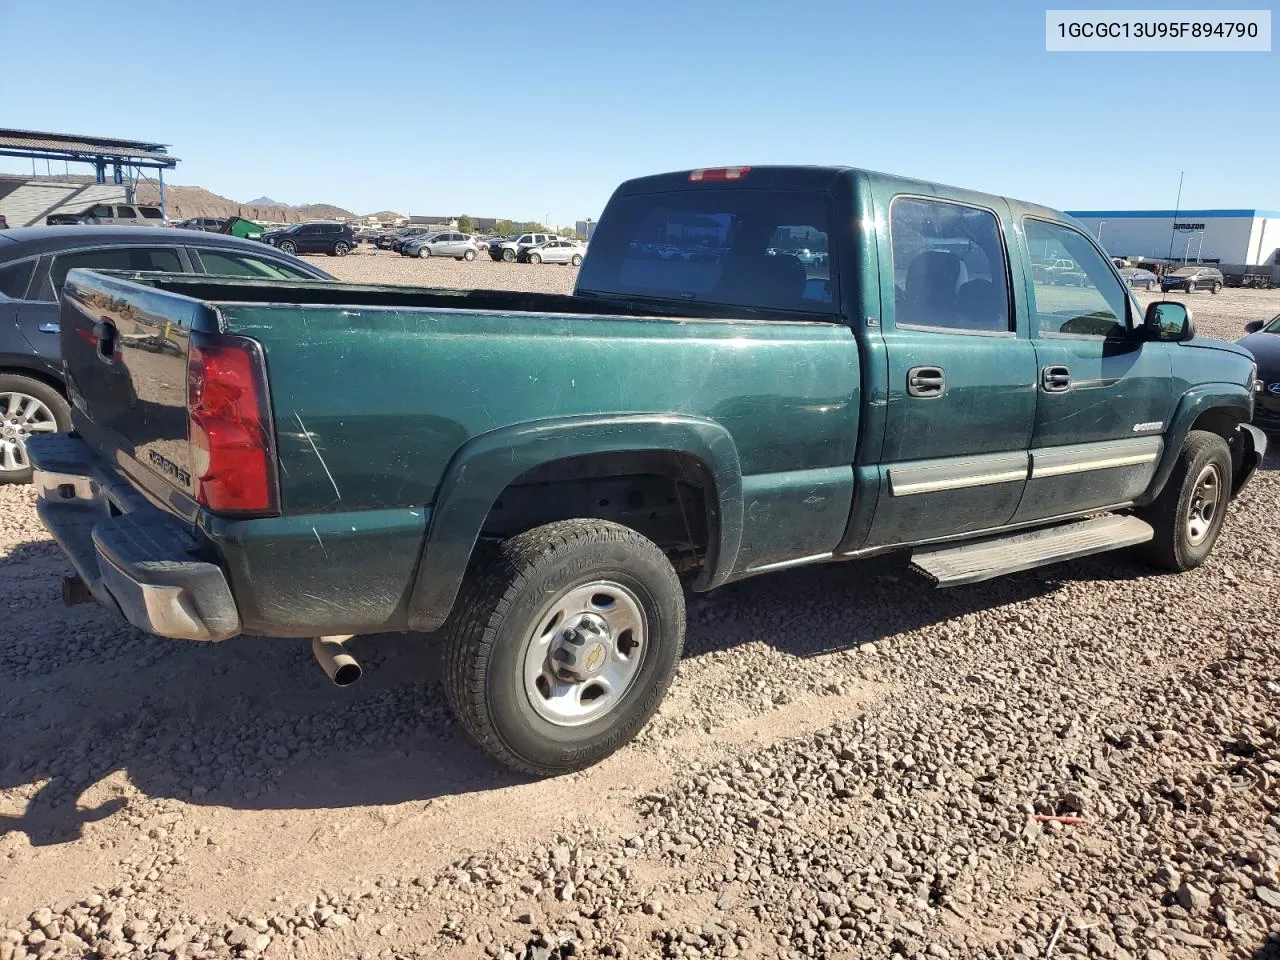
[(15, 277), (732, 246), (949, 268), (113, 258), (124, 212), (150, 213)]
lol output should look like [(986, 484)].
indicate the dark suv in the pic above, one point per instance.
[(335, 239), (1192, 278)]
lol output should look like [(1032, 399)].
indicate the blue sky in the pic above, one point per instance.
[(531, 109)]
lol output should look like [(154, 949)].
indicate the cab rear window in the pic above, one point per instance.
[(766, 249)]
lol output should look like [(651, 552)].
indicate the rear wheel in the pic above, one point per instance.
[(1216, 288), (341, 248), (1191, 286), (577, 260), (469, 255), (1188, 514), (563, 643), (28, 408), (535, 258)]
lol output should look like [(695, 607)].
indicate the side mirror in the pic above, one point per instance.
[(1253, 326), (1168, 321)]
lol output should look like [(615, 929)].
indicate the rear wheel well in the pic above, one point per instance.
[(50, 381), (666, 496)]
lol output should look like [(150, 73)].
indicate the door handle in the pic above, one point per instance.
[(926, 382), (105, 332), (50, 327), (1056, 379)]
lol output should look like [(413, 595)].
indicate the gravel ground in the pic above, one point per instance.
[(849, 765), (369, 265)]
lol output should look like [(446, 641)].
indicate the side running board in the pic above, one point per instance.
[(952, 566)]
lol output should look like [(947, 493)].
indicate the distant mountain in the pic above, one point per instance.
[(184, 202)]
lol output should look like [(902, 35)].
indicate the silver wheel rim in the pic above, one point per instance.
[(21, 416), (1206, 499), (584, 653)]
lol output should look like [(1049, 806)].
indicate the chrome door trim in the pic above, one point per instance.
[(957, 473), (1104, 455)]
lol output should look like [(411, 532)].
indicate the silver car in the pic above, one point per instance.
[(554, 251), (456, 245)]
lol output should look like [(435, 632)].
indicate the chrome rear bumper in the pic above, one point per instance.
[(135, 559)]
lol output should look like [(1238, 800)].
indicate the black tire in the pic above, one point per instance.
[(1191, 286), (1150, 285), (424, 252), (535, 258), (12, 383), (469, 256), (1170, 513), (508, 256), (1216, 289), (288, 246), (576, 260), (497, 611), (341, 248)]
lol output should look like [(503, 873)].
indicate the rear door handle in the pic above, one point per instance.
[(926, 382), (1056, 379)]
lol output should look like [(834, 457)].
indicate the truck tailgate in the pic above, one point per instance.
[(125, 347)]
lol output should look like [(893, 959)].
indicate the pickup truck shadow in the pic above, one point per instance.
[(253, 723)]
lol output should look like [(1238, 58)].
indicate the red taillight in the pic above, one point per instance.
[(230, 428), (718, 174)]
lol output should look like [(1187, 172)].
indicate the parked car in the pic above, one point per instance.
[(1136, 277), (1263, 341), (34, 262), (1189, 279), (405, 235), (552, 251), (208, 224), (448, 244), (335, 239), (556, 463), (508, 249), (111, 214)]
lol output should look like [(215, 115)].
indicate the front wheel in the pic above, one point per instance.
[(287, 246), (563, 643), (576, 260), (1188, 514), (1191, 287), (28, 408), (508, 256), (1150, 285), (535, 258), (1216, 289), (424, 252)]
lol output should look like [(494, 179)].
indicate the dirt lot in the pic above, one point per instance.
[(849, 765)]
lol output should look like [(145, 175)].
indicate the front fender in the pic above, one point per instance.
[(1230, 398), (485, 465)]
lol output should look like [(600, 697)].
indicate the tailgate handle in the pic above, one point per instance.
[(104, 331)]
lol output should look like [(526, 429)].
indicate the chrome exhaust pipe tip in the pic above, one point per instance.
[(340, 666)]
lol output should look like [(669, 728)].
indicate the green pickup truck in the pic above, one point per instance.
[(760, 368)]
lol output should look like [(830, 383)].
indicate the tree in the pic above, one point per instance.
[(466, 224), (504, 227)]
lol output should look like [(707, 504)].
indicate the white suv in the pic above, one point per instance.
[(508, 248)]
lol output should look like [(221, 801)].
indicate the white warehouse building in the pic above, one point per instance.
[(1235, 238)]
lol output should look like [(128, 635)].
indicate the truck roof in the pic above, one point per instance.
[(821, 179)]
